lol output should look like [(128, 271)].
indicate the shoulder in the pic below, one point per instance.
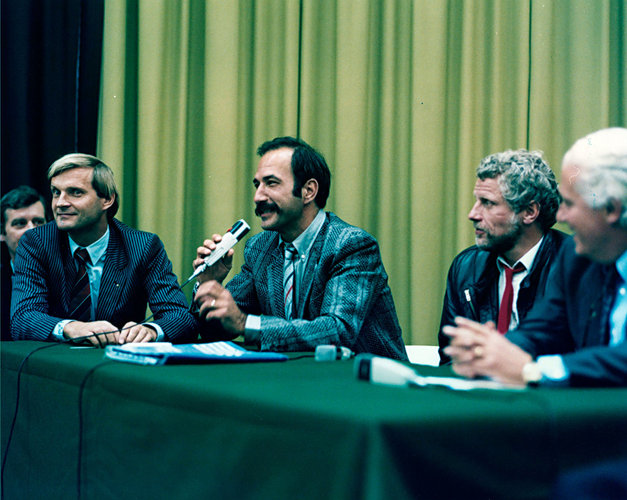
[(41, 237), (340, 232), (471, 257), (263, 240), (555, 239), (130, 235), (571, 261)]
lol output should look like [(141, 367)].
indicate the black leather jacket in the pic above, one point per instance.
[(472, 285)]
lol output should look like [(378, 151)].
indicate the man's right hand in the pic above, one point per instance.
[(76, 330), (220, 269)]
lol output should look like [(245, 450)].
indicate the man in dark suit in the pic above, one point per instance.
[(89, 277), (22, 209), (505, 272), (576, 334), (331, 288)]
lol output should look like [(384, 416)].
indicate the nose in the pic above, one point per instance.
[(30, 225), (61, 200), (260, 194), (474, 214)]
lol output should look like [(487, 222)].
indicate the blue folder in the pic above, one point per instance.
[(164, 353)]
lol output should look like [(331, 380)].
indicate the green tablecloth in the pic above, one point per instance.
[(295, 429)]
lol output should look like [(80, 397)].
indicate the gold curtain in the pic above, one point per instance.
[(403, 98)]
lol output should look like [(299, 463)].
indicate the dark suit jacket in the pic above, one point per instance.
[(573, 320), (344, 298), (136, 273), (475, 270), (6, 273)]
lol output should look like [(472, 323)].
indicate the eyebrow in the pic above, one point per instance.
[(267, 178)]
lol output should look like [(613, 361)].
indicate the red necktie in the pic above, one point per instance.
[(80, 302), (505, 311)]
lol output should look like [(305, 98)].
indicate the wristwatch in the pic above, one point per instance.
[(531, 374)]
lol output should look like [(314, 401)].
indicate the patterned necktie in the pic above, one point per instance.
[(80, 303), (505, 311), (288, 279)]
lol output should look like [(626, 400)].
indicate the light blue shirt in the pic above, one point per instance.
[(97, 252), (303, 245), (553, 367), (618, 315)]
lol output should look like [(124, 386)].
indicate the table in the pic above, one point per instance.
[(295, 429)]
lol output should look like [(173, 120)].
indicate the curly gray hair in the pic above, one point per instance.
[(602, 161), (524, 176)]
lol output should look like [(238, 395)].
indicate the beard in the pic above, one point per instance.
[(502, 243)]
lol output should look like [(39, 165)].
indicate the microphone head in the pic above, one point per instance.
[(380, 370), (332, 353), (240, 229)]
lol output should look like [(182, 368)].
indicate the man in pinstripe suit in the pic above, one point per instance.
[(126, 269), (334, 290)]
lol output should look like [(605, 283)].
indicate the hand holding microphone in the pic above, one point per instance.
[(222, 246)]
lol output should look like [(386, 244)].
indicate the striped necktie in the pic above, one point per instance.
[(288, 279), (80, 302)]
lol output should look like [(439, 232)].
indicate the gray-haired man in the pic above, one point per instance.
[(576, 334), (500, 277)]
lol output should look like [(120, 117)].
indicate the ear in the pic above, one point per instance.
[(613, 211), (108, 202), (531, 213), (309, 191)]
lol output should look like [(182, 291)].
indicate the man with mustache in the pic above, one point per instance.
[(309, 278), (505, 272), (575, 335), (89, 277)]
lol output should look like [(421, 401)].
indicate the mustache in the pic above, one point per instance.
[(264, 206)]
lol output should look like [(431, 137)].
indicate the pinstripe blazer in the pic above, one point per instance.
[(344, 298), (136, 273)]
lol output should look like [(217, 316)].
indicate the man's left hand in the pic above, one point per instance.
[(480, 350), (215, 301), (135, 333)]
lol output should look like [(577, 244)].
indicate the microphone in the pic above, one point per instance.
[(379, 370), (332, 353), (230, 238)]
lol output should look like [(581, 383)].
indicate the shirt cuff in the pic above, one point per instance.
[(160, 334), (57, 333), (553, 370), (252, 329)]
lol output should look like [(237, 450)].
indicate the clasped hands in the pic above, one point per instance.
[(101, 333), (479, 350), (213, 300)]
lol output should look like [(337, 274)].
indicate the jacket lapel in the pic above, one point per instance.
[(69, 269), (275, 281), (113, 276), (304, 290)]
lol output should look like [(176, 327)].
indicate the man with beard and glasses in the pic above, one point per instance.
[(505, 272), (310, 278)]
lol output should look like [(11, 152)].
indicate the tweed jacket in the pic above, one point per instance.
[(136, 273), (573, 320), (344, 298)]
